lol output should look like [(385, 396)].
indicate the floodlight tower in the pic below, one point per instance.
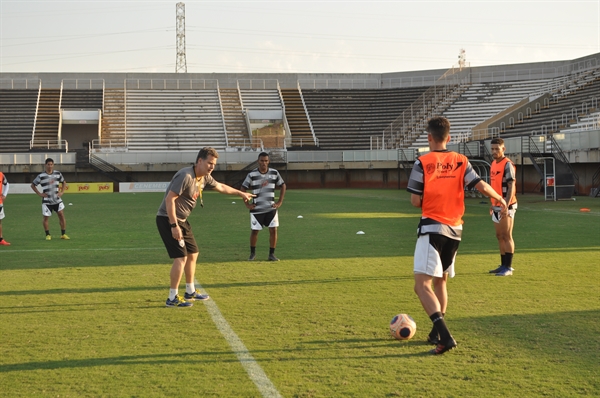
[(462, 58), (180, 64)]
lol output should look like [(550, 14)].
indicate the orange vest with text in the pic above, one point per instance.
[(497, 181), (443, 186)]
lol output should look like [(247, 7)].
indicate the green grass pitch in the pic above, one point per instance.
[(86, 317)]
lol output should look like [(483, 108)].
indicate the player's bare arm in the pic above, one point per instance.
[(226, 189), (416, 200), (488, 191)]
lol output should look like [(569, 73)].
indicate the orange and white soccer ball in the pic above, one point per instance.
[(403, 327)]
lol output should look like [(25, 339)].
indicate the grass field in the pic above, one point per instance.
[(86, 317)]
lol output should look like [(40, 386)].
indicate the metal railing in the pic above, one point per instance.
[(19, 84), (171, 84), (222, 115), (50, 144), (257, 84), (312, 130), (339, 84), (37, 107)]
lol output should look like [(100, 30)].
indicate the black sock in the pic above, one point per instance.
[(63, 231), (252, 249), (1, 239), (503, 259), (438, 322), (271, 250), (509, 257), (434, 333), (47, 232)]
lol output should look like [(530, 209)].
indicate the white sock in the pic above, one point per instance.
[(190, 288), (172, 294)]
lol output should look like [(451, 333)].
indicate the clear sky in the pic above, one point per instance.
[(302, 36)]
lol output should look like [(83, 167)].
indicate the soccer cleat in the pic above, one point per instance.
[(500, 268), (506, 271), (178, 302), (48, 237), (442, 348), (273, 258), (435, 340), (196, 296), (252, 257), (4, 243), (65, 237), (495, 271)]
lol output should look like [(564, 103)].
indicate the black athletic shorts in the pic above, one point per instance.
[(172, 246)]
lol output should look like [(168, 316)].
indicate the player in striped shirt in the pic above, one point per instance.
[(53, 186), (262, 182)]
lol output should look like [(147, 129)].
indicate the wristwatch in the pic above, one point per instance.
[(173, 225)]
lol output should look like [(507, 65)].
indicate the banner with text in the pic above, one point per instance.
[(128, 187)]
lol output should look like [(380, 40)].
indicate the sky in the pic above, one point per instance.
[(286, 36)]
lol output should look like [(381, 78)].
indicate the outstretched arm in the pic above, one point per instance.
[(226, 189), (488, 191)]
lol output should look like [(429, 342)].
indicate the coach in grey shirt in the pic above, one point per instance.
[(181, 196)]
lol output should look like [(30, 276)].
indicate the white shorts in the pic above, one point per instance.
[(427, 259), (47, 209), (496, 216), (1, 212), (257, 221)]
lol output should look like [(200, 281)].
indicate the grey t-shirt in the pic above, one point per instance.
[(185, 185)]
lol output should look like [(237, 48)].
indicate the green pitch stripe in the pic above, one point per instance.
[(103, 249), (257, 375)]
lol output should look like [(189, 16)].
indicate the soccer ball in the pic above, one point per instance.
[(402, 327)]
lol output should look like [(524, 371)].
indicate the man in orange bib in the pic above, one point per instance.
[(503, 180), (437, 185)]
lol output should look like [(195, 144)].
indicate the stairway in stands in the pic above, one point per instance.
[(235, 123), (113, 119), (295, 112), (48, 117)]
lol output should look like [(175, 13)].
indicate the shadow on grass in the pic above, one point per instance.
[(543, 337)]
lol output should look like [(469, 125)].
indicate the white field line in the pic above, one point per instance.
[(257, 375)]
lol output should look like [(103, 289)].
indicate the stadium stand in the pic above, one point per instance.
[(17, 118), (350, 118), (158, 120), (298, 120), (561, 112), (113, 120), (81, 99), (235, 123), (480, 102), (45, 135), (261, 99)]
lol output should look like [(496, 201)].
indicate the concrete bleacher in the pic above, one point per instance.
[(17, 117), (298, 122), (261, 99), (348, 119), (562, 112), (159, 120), (81, 99), (480, 102)]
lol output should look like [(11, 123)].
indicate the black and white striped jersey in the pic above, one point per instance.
[(49, 184), (263, 186)]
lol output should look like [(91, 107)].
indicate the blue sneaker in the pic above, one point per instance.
[(196, 296), (178, 302), (505, 271), (499, 269)]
